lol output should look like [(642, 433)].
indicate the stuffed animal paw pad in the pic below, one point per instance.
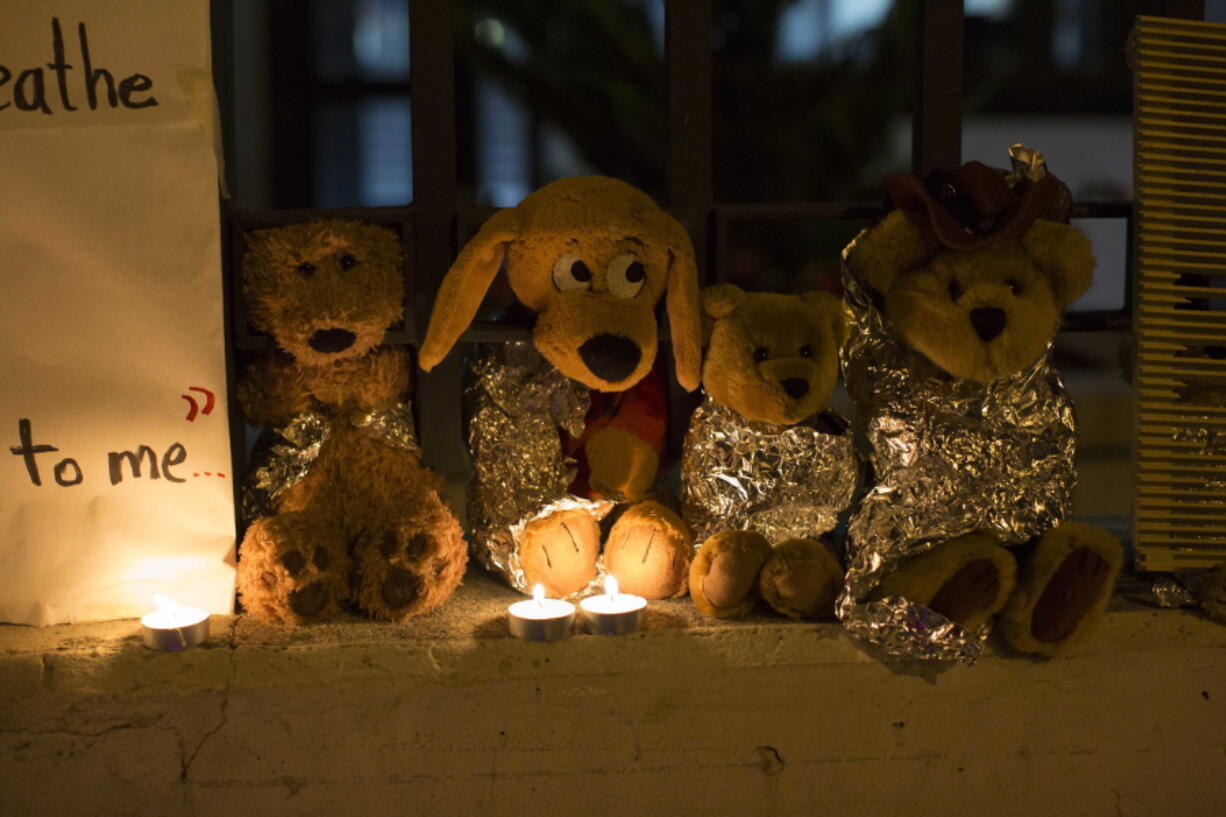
[(560, 550), (1064, 589), (281, 582), (801, 579), (648, 551), (724, 573)]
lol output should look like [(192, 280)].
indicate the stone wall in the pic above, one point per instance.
[(449, 716)]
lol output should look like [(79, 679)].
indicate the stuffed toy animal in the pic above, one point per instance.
[(763, 464), (592, 257), (961, 287), (341, 509)]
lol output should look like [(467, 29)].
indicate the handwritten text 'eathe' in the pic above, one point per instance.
[(93, 86)]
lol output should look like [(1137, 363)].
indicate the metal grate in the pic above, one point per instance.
[(433, 228), (1179, 125)]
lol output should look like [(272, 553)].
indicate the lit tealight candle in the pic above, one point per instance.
[(614, 613), (541, 619), (171, 627)]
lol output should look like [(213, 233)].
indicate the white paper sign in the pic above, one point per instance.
[(115, 470)]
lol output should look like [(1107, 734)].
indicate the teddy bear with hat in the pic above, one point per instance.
[(956, 296)]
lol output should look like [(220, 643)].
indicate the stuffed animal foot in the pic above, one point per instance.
[(724, 574), (966, 579), (648, 551), (1063, 588), (291, 570), (801, 579), (410, 569), (559, 551)]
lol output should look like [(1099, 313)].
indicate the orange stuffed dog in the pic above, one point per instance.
[(592, 257)]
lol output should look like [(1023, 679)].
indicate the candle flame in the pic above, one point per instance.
[(538, 594), (611, 587), (164, 604)]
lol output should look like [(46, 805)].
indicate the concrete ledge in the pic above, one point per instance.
[(451, 716)]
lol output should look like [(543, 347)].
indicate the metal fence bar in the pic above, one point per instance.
[(432, 74), (290, 60), (800, 211), (937, 127), (687, 66), (688, 163), (1188, 9)]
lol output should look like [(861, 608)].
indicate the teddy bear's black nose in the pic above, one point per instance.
[(610, 357), (988, 322), (796, 387), (332, 340)]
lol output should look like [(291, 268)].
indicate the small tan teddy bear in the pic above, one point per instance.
[(342, 509), (765, 471)]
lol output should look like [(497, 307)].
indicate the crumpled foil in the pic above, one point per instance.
[(1193, 588), (949, 456), (781, 481), (516, 402), (283, 457), (1028, 166), (1178, 589), (1027, 163)]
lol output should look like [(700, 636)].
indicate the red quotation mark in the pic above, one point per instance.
[(194, 408), (210, 400)]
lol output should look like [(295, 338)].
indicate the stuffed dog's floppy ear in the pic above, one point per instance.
[(1064, 254), (899, 242), (465, 285), (830, 308), (684, 316)]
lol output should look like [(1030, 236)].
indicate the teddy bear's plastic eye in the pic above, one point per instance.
[(571, 273), (761, 353), (955, 290), (625, 276), (306, 268), (806, 351), (348, 262), (1014, 287)]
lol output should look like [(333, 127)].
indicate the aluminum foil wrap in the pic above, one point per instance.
[(949, 456), (781, 481), (1177, 589), (284, 456), (1028, 165), (1205, 589), (516, 403)]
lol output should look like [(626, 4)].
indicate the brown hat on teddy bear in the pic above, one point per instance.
[(973, 271), (971, 206)]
